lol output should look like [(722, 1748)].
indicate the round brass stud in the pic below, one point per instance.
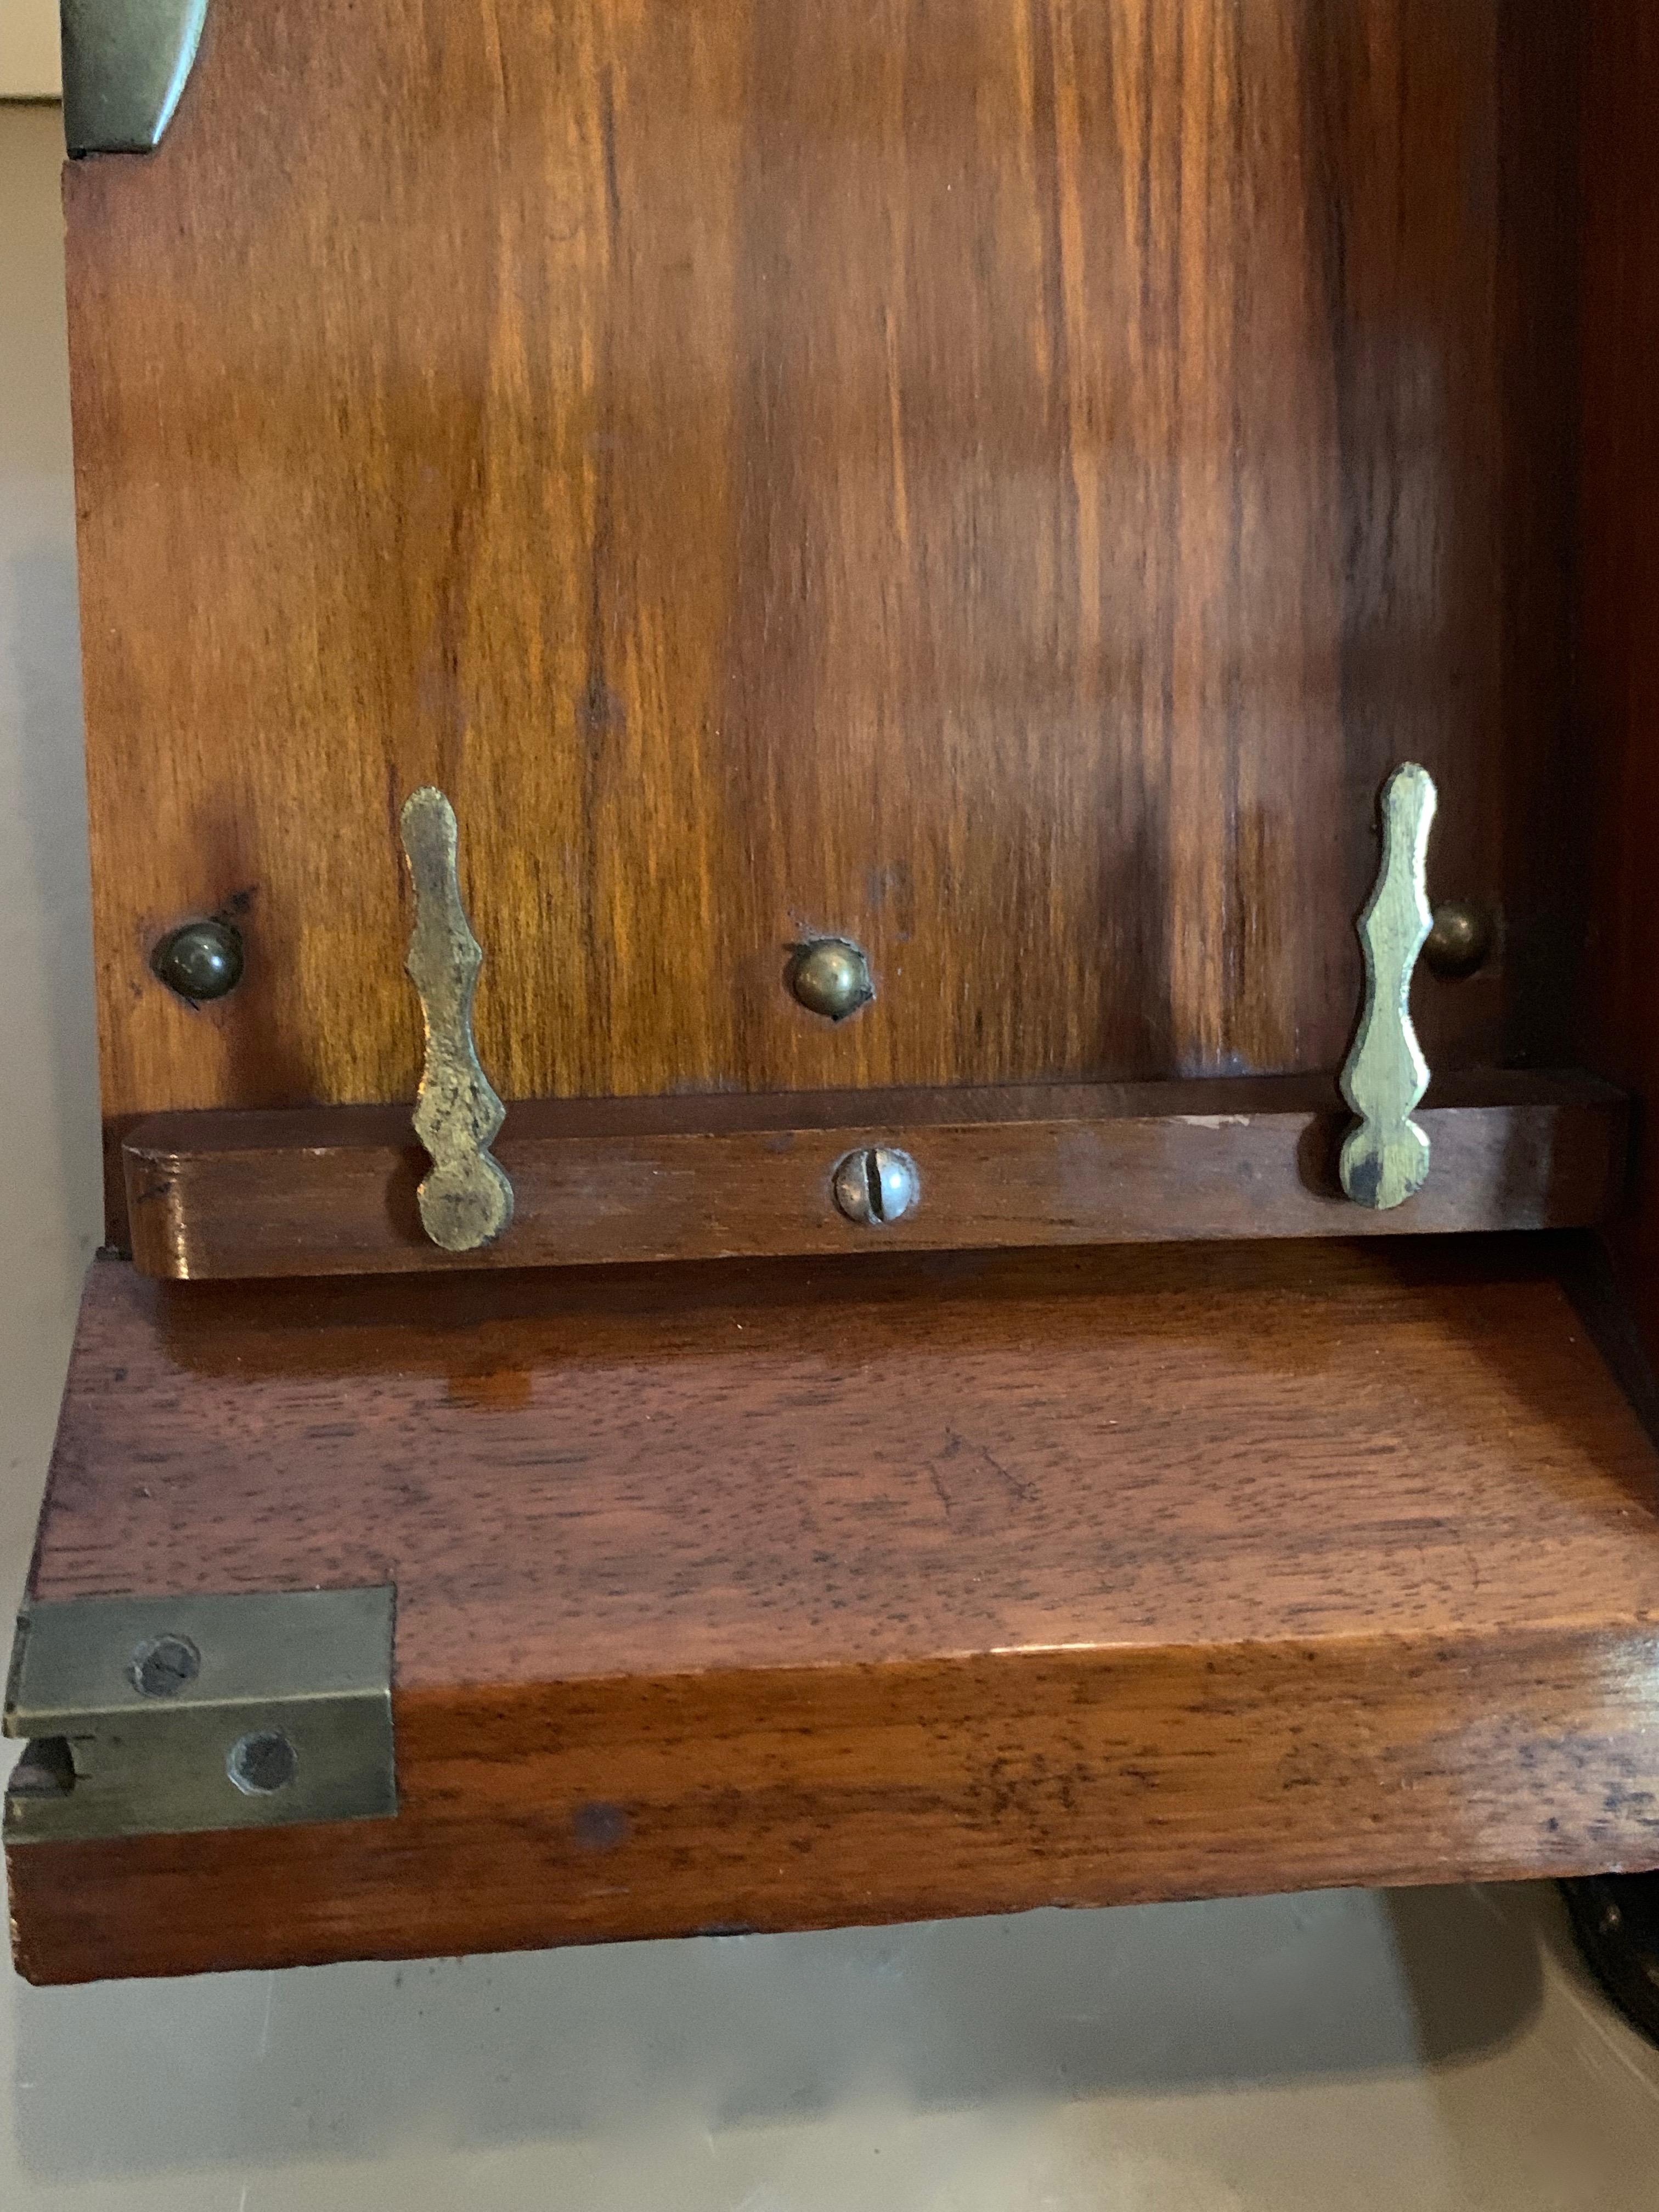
[(201, 961), (831, 978), (1460, 943)]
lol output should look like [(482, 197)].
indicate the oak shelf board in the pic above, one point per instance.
[(778, 1595)]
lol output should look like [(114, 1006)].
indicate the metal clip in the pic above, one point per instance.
[(160, 1716), (466, 1201), (1385, 1158), (126, 63)]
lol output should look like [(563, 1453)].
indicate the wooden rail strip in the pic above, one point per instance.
[(332, 1190)]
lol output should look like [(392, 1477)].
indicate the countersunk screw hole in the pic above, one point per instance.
[(262, 1763), (161, 1668)]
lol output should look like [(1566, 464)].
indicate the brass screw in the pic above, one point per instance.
[(1460, 943), (201, 961), (875, 1185), (831, 978)]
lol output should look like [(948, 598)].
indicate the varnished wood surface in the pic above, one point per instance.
[(773, 1596), (332, 1190), (1002, 482), (832, 1796)]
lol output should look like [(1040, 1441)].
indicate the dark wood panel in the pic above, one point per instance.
[(770, 1594), (1619, 578), (331, 1190), (1546, 861), (1000, 482)]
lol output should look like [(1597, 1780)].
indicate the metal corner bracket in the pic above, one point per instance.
[(150, 1716), (125, 64)]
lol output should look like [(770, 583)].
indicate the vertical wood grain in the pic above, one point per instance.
[(999, 479)]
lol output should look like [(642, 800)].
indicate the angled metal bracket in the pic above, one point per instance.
[(165, 1715), (125, 64)]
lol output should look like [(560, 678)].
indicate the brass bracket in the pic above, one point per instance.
[(1385, 1157), (126, 63), (150, 1716), (466, 1201)]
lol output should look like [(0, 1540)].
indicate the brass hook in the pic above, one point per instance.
[(466, 1201), (1385, 1157)]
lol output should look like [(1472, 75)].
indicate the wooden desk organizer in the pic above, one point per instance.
[(991, 492)]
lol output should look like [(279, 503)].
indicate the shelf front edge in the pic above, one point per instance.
[(332, 1190), (576, 1812)]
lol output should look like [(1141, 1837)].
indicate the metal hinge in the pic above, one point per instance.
[(164, 1716), (125, 64)]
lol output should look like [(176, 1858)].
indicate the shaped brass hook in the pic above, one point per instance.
[(466, 1199), (1385, 1157)]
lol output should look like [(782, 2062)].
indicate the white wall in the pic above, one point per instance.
[(49, 1170), (28, 49)]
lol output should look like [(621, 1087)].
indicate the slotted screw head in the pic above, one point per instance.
[(875, 1185)]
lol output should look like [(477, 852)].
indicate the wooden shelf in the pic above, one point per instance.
[(771, 1595)]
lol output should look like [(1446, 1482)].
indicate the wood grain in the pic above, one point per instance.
[(773, 1596), (1002, 482), (332, 1190)]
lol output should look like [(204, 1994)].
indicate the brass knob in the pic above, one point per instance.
[(1461, 941), (201, 961), (831, 978)]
